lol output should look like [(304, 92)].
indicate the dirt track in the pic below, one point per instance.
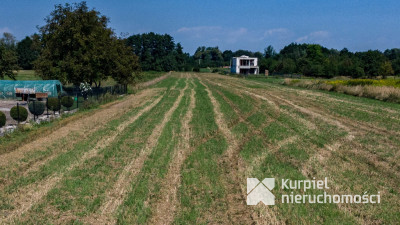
[(147, 143)]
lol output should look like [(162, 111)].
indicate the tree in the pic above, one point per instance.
[(386, 69), (241, 52), (125, 66), (8, 56), (27, 53), (208, 57), (372, 62), (269, 64), (288, 65), (294, 51), (79, 47), (156, 52), (396, 66), (180, 57), (227, 55), (269, 52), (314, 53)]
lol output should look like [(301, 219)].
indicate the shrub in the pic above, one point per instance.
[(53, 104), (361, 82), (23, 113), (2, 119), (67, 101), (36, 108), (89, 104), (107, 97)]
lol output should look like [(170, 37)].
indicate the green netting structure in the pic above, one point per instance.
[(8, 87)]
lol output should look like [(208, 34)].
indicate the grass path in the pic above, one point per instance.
[(237, 211), (118, 193), (167, 204)]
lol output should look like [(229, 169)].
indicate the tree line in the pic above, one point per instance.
[(309, 59), (76, 45)]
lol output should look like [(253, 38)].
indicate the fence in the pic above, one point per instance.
[(95, 93), (78, 97)]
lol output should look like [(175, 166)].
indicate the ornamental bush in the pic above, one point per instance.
[(2, 119), (54, 104), (23, 113), (67, 101), (36, 108)]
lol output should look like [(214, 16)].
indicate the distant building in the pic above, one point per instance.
[(244, 65)]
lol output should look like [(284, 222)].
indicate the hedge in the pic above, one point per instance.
[(23, 113), (36, 108), (54, 104), (67, 101), (2, 119)]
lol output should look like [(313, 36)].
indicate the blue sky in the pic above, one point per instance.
[(251, 25)]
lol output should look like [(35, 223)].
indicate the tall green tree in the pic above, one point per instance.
[(209, 56), (386, 69), (157, 52), (180, 57), (372, 62), (227, 55), (79, 47), (8, 56), (125, 67), (27, 53), (269, 52)]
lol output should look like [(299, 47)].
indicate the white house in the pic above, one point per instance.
[(244, 65)]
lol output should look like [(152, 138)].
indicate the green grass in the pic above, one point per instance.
[(25, 75), (201, 188), (150, 75), (86, 186), (82, 190), (146, 187), (286, 163), (363, 82), (291, 144)]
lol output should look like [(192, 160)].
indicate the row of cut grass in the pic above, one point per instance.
[(83, 190), (86, 187), (293, 153), (201, 189), (266, 84), (63, 160), (145, 188), (345, 169)]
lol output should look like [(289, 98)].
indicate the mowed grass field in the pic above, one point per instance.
[(180, 151)]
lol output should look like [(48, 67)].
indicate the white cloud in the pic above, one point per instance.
[(214, 33), (276, 32), (316, 36), (198, 29), (235, 35)]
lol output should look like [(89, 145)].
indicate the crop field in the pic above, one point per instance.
[(181, 150)]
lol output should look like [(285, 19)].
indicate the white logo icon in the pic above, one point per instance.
[(260, 191)]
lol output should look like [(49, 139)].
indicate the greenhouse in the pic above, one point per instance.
[(10, 89)]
